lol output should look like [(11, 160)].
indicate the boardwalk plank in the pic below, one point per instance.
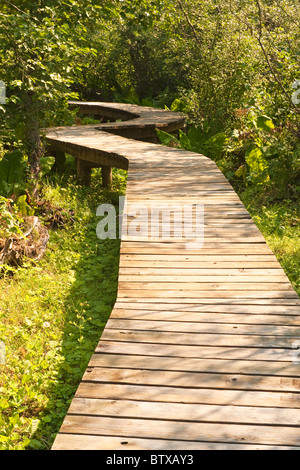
[(190, 431), (191, 380), (158, 394), (191, 412), (185, 326), (234, 353), (90, 442), (166, 363)]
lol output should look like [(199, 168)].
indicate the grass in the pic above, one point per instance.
[(52, 315), (279, 222)]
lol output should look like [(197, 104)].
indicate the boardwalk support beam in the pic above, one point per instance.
[(106, 176)]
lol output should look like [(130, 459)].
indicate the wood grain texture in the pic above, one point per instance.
[(200, 351)]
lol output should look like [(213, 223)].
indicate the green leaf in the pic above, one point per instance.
[(146, 102), (167, 139), (184, 141), (197, 138), (258, 165), (216, 145), (23, 207), (11, 172), (265, 123), (46, 164), (240, 171)]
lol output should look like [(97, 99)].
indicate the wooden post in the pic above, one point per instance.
[(60, 159), (84, 171), (106, 176)]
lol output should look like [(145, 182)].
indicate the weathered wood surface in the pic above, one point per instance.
[(198, 351)]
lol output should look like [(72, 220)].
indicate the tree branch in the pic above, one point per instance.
[(249, 26), (189, 21), (15, 7), (260, 33)]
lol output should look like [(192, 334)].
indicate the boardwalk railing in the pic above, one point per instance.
[(199, 351)]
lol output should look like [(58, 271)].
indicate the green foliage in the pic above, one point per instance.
[(12, 173), (279, 223), (24, 208), (167, 139), (10, 220), (46, 164), (258, 165), (265, 123), (52, 315), (43, 46)]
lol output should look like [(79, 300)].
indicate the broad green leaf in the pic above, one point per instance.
[(23, 207), (11, 172), (184, 141), (258, 165), (216, 145), (241, 171), (46, 164), (145, 102), (197, 138), (167, 139), (265, 123)]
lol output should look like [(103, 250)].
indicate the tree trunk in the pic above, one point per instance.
[(33, 140)]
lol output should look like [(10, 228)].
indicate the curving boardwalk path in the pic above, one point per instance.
[(198, 351)]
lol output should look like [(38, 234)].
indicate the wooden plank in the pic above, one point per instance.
[(198, 327), (255, 319), (198, 258), (118, 443), (155, 187), (184, 198), (191, 412), (170, 222), (217, 366), (154, 301), (232, 433), (184, 231), (209, 306), (195, 351), (180, 194), (162, 270), (143, 294), (192, 242), (188, 395), (210, 266), (182, 249), (223, 284), (200, 339), (192, 279)]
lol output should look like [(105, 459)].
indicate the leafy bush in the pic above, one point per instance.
[(12, 173), (10, 220)]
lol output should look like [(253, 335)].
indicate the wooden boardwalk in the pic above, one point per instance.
[(198, 351)]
